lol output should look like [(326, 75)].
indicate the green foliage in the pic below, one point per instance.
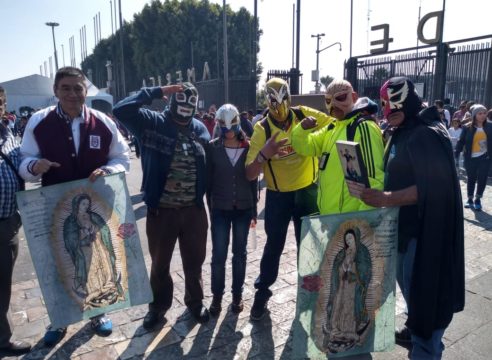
[(170, 36), (261, 102), (380, 74), (326, 80)]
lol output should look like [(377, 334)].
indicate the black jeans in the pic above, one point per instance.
[(9, 247), (477, 170), (280, 208)]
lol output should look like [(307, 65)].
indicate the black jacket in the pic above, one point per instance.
[(466, 140), (438, 279)]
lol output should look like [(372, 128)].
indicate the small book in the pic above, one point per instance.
[(352, 163)]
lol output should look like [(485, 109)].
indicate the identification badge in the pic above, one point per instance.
[(94, 142), (323, 160)]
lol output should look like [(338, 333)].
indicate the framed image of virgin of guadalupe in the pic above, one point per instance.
[(85, 247), (346, 284)]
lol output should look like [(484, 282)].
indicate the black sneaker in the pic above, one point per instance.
[(237, 303), (469, 204), (403, 336), (216, 307), (200, 313), (152, 318), (259, 309), (478, 205)]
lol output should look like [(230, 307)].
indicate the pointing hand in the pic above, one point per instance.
[(43, 165)]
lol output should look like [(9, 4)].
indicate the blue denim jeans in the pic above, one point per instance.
[(280, 209), (421, 348), (222, 220)]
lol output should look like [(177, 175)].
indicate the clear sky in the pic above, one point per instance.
[(27, 41)]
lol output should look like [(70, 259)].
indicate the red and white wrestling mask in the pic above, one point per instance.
[(278, 98), (340, 98)]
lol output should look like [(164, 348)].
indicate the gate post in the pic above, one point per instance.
[(351, 72), (440, 74), (488, 82), (294, 81)]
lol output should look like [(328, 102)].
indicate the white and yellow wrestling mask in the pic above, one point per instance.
[(278, 98)]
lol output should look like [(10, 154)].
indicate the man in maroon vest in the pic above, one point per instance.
[(68, 142)]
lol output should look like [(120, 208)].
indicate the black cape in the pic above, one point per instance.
[(437, 289)]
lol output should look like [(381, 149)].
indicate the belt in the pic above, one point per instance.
[(157, 211)]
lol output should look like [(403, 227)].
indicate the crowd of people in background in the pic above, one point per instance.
[(219, 154)]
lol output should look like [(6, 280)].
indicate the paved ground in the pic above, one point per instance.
[(235, 337)]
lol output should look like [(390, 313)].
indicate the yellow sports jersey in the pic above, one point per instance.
[(479, 144), (290, 171)]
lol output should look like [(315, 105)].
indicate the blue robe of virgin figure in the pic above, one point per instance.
[(347, 316), (80, 240)]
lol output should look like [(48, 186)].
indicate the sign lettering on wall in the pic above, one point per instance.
[(439, 15)]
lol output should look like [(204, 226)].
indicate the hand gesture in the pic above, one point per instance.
[(170, 89), (309, 123), (273, 147), (43, 165)]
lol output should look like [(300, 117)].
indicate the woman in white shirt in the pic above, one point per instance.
[(476, 143), (454, 133)]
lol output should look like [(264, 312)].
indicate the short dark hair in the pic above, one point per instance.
[(439, 103), (2, 91), (68, 71)]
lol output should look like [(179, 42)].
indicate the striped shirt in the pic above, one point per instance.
[(9, 183)]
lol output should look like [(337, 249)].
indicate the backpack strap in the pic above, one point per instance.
[(298, 112), (268, 135), (266, 125), (353, 126)]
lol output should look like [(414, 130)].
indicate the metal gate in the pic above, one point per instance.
[(212, 92), (467, 66)]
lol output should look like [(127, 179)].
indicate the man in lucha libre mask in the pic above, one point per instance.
[(421, 179), (290, 179), (173, 163), (183, 104)]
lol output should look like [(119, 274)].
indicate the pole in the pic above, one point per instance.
[(318, 37), (63, 54), (318, 50), (122, 54), (351, 24), (295, 73), (52, 25), (226, 65), (111, 11), (255, 53), (298, 39), (293, 30)]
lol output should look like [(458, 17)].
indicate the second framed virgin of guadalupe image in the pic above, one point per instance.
[(352, 163)]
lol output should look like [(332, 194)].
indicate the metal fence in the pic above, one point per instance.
[(212, 92), (467, 65)]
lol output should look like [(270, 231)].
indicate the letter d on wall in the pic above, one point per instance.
[(438, 35)]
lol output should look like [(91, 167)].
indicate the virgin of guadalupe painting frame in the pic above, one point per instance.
[(346, 285), (85, 248)]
